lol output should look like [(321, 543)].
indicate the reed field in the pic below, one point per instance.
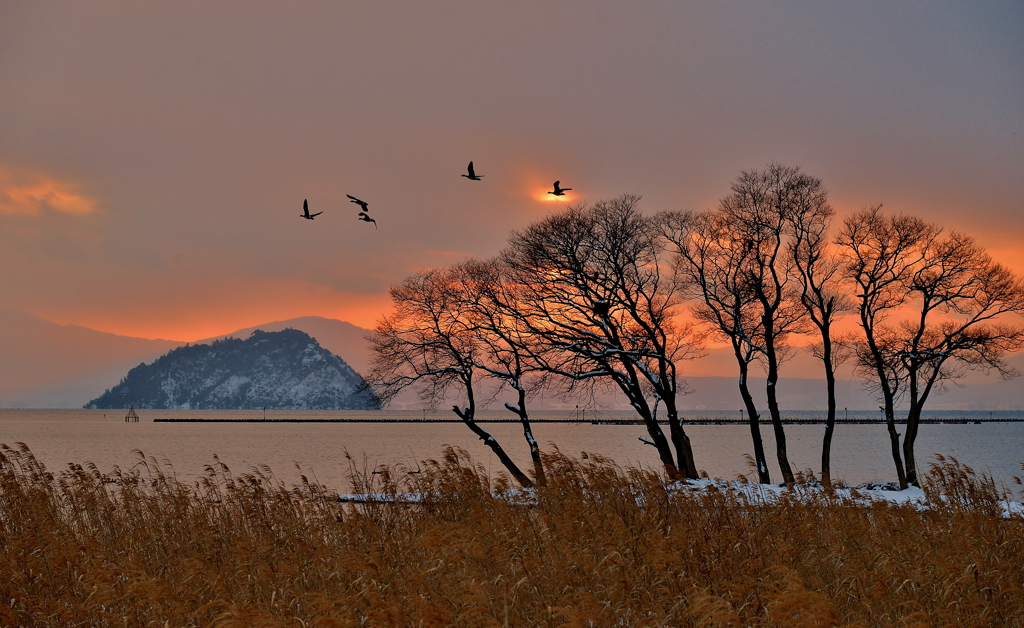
[(598, 546)]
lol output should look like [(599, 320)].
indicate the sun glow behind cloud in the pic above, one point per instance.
[(242, 304), (29, 193), (545, 196)]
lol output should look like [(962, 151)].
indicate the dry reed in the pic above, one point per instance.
[(599, 546)]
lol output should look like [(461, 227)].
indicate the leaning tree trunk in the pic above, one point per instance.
[(631, 388), (684, 451), (467, 416), (659, 440), (520, 410), (681, 442), (763, 476)]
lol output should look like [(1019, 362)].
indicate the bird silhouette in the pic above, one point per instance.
[(362, 204), (305, 211), (559, 191), (365, 218), (472, 176)]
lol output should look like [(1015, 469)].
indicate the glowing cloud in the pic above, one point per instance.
[(29, 193)]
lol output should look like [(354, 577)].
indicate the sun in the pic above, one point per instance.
[(543, 196)]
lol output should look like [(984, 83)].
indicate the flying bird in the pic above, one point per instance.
[(363, 204), (472, 176), (366, 218), (305, 211), (559, 191)]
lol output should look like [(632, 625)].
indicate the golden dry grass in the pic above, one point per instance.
[(600, 546)]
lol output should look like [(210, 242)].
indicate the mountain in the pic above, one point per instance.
[(46, 365), (339, 337), (286, 369)]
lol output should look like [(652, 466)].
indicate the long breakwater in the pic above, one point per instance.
[(697, 421)]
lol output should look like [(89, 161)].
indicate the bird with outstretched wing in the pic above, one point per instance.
[(305, 211), (472, 176)]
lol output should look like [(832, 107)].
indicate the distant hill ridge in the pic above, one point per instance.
[(284, 370), (46, 365)]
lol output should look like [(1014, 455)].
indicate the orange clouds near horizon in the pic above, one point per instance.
[(29, 193), (199, 320), (154, 160)]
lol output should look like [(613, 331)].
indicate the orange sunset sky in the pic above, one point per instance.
[(154, 156)]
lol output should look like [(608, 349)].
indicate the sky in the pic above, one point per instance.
[(154, 157)]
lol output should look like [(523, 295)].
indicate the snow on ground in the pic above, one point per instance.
[(767, 493), (754, 493)]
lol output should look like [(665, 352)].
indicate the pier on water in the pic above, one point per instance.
[(603, 421)]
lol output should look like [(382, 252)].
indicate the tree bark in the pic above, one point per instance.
[(658, 437), (538, 465), (681, 442), (887, 394), (913, 423), (894, 439), (830, 417), (630, 386), (763, 476), (773, 403), (467, 418), (830, 426)]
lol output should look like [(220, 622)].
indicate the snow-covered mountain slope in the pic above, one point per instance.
[(287, 369)]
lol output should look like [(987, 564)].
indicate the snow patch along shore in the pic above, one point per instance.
[(753, 493)]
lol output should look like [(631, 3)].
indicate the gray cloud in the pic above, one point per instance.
[(199, 129)]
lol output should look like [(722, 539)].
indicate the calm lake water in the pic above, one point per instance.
[(860, 453)]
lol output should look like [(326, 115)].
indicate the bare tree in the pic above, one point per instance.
[(760, 212), (507, 351), (593, 290), (956, 300), (429, 342), (879, 254), (961, 297), (819, 289), (713, 259)]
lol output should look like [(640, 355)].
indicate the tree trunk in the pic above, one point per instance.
[(887, 393), (763, 476), (773, 410), (830, 426), (681, 442), (830, 418), (631, 388), (467, 418), (913, 422), (894, 438), (538, 465), (659, 440), (780, 437), (918, 396)]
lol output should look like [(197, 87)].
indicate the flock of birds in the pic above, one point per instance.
[(365, 208)]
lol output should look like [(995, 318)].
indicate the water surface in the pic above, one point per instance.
[(860, 453)]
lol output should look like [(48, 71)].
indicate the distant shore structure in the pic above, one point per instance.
[(611, 421), (132, 416)]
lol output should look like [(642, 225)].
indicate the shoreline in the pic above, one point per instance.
[(932, 421)]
